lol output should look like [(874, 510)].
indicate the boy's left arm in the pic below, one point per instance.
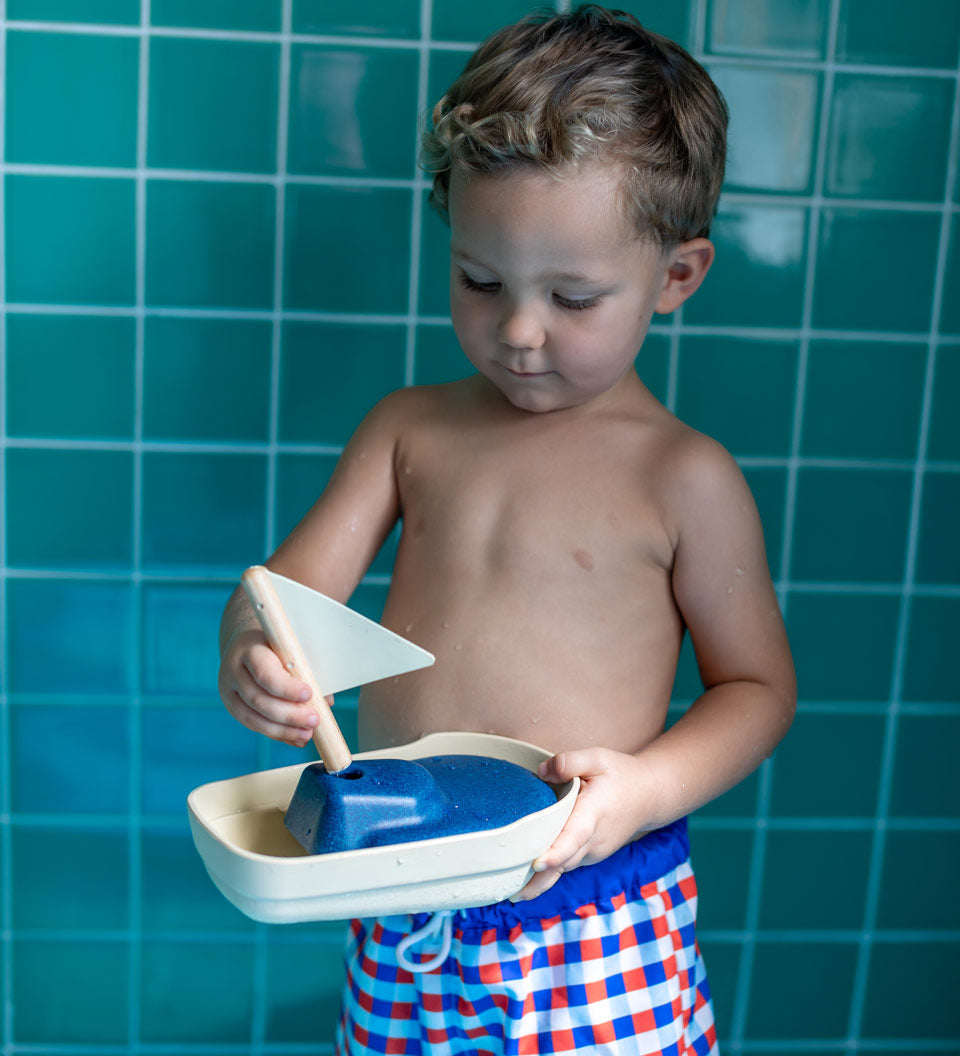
[(722, 587)]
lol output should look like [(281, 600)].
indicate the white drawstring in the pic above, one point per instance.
[(441, 922)]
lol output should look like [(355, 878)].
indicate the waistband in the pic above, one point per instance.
[(635, 864)]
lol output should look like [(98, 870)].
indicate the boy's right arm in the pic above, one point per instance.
[(329, 550)]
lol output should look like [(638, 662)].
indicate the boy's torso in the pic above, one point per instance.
[(535, 563)]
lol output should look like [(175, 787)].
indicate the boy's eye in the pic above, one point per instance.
[(574, 305), (477, 287)]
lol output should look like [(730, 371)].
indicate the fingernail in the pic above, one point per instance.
[(518, 898), (313, 720), (538, 866)]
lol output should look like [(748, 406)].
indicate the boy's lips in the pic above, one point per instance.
[(527, 373)]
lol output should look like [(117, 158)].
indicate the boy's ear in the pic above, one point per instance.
[(688, 265)]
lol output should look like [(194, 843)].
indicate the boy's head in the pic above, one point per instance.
[(559, 91)]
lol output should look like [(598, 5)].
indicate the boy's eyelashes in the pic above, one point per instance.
[(493, 287)]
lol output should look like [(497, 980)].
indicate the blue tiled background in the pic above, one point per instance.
[(217, 254)]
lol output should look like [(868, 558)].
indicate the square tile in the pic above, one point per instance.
[(801, 990), (721, 861), (792, 28), (303, 987), (347, 249), (251, 15), (177, 893), (92, 359), (47, 781), (795, 896), (740, 392), (203, 512), (930, 673), (372, 18), (99, 866), (875, 31), (849, 747), (758, 276), (917, 1004), (856, 288), (474, 23), (925, 754), (353, 111), (117, 12), (186, 747), (863, 399), (843, 644), (439, 357), (210, 245), (773, 115), (433, 290), (937, 854), (889, 137), (206, 379), (71, 99), (198, 992), (180, 627), (938, 556), (342, 369), (85, 521), (69, 240), (943, 440), (90, 981), (850, 525), (213, 104), (769, 487), (949, 322), (653, 364), (69, 636), (300, 480)]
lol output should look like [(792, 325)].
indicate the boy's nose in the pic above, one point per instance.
[(520, 328)]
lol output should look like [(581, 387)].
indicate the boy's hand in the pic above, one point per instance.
[(603, 818), (260, 693)]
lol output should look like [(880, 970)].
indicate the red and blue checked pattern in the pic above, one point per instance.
[(615, 976)]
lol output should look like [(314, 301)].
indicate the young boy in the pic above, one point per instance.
[(561, 530)]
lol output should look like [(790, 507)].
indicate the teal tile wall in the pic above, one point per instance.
[(217, 254)]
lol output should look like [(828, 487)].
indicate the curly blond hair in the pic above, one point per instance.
[(557, 91)]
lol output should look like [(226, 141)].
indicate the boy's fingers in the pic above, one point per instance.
[(256, 720), (587, 762), (570, 846), (268, 672)]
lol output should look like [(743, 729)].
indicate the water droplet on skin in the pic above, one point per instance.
[(459, 645), (535, 719), (739, 571), (289, 665), (408, 628), (407, 470), (446, 623), (729, 590)]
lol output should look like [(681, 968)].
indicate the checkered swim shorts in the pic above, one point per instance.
[(605, 962)]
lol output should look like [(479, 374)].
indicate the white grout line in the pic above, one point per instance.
[(6, 745), (417, 195), (878, 848), (758, 858), (135, 723)]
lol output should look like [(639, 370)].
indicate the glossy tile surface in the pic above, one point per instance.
[(889, 137), (72, 99), (213, 105), (795, 28), (218, 253), (876, 31)]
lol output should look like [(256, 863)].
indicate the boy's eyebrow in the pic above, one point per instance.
[(562, 276)]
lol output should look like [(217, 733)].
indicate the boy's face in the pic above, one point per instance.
[(551, 290)]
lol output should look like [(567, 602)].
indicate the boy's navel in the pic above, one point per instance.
[(583, 559)]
